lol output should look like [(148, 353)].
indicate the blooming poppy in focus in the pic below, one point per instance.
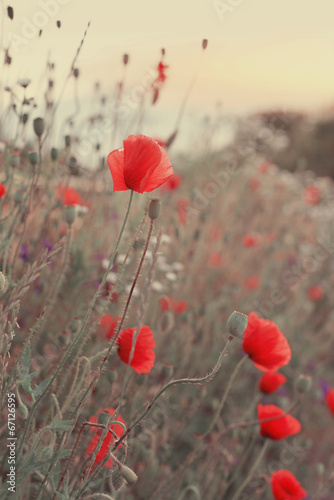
[(2, 190), (315, 293), (312, 195), (330, 400), (169, 304), (252, 282), (68, 196), (108, 323), (110, 437), (249, 241), (278, 428), (271, 381), (285, 486), (172, 183), (143, 357), (265, 344), (141, 165), (161, 70)]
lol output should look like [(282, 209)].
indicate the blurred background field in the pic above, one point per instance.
[(246, 225)]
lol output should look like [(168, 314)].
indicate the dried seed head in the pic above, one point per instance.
[(128, 475), (303, 384), (76, 72), (10, 12), (125, 59), (204, 43), (39, 126), (154, 208), (236, 324)]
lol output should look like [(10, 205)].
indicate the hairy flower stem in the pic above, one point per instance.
[(253, 470), (200, 380), (77, 337)]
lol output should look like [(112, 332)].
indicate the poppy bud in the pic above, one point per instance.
[(70, 214), (23, 410), (104, 418), (125, 59), (3, 282), (204, 43), (10, 12), (74, 325), (54, 154), (67, 141), (39, 126), (112, 376), (58, 24), (14, 160), (303, 383), (128, 474), (236, 324), (154, 208), (163, 52), (19, 195), (33, 157), (76, 72), (320, 468), (24, 118)]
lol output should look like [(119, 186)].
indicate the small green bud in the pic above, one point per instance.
[(112, 376), (154, 208), (67, 141), (54, 154), (303, 384), (236, 324), (128, 475), (33, 157), (39, 126), (70, 214), (14, 160)]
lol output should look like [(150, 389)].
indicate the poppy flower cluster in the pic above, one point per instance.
[(111, 437), (143, 357), (141, 165), (169, 304), (285, 486), (265, 344)]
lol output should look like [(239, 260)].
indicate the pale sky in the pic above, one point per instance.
[(261, 52)]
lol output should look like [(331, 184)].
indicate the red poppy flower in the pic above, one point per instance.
[(252, 282), (249, 241), (68, 196), (215, 259), (265, 344), (172, 183), (278, 428), (271, 381), (143, 358), (330, 400), (161, 70), (2, 190), (285, 486), (315, 293), (141, 165), (312, 195), (169, 304), (108, 323), (104, 448)]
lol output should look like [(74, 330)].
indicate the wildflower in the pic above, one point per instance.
[(271, 381), (285, 486), (2, 190), (249, 241), (169, 304), (143, 356), (315, 293), (312, 195), (277, 428), (252, 282), (330, 400), (110, 437), (24, 252), (68, 196), (265, 344), (172, 183), (141, 165), (161, 70), (108, 324)]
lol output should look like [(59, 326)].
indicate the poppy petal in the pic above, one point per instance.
[(142, 155), (115, 161), (161, 173)]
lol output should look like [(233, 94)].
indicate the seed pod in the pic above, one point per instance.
[(14, 160), (76, 72), (67, 141), (236, 324), (33, 157), (39, 126), (58, 24), (154, 208), (303, 384), (70, 214), (25, 118), (54, 154), (10, 12)]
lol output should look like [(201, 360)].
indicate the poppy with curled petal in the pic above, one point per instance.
[(141, 165), (271, 381), (265, 344), (143, 357), (330, 400), (111, 437), (277, 428), (285, 486)]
